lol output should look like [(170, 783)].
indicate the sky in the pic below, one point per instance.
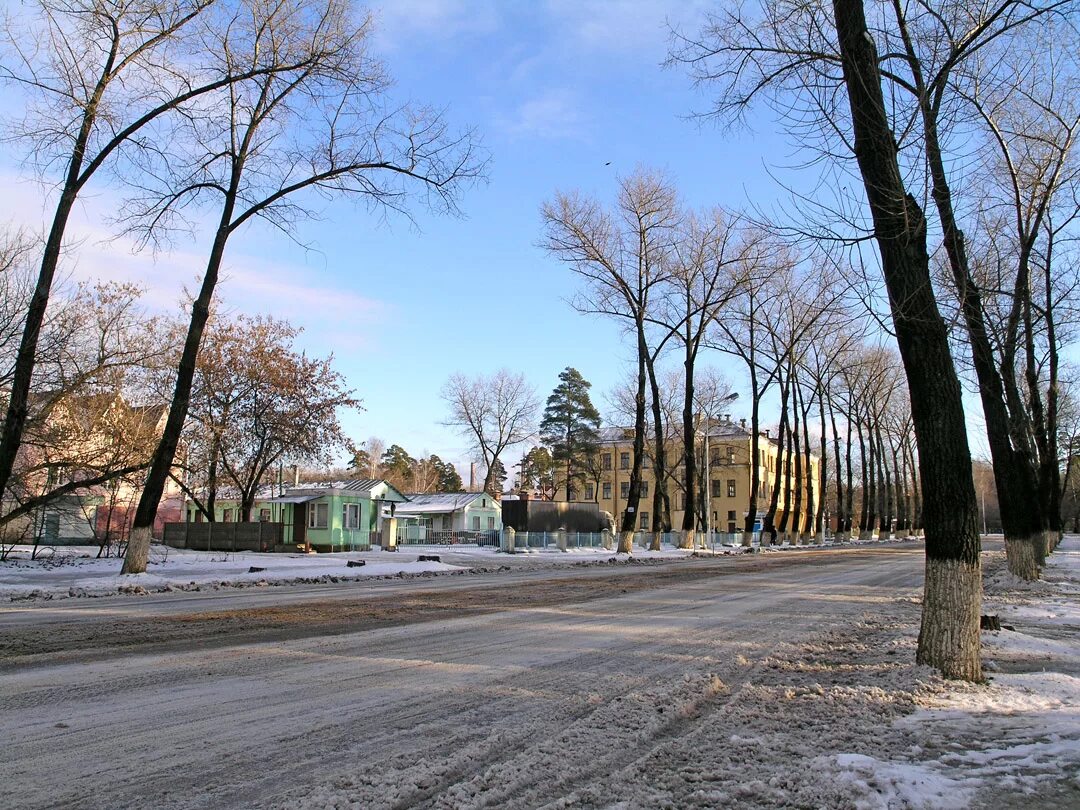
[(565, 95)]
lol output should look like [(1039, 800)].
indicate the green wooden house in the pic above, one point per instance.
[(335, 516)]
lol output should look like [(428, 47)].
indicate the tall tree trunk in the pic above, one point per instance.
[(629, 517), (849, 471), (840, 513), (755, 461), (138, 550), (774, 499), (687, 539), (799, 481), (864, 507), (789, 472), (661, 505), (823, 469), (949, 636), (1015, 476), (808, 518)]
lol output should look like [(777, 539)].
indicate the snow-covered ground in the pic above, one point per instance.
[(76, 571), (1012, 742)]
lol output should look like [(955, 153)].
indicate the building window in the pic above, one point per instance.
[(731, 455), (606, 461), (731, 487), (644, 489), (318, 516), (590, 490), (644, 521), (476, 523), (483, 501), (199, 516), (607, 490), (491, 524), (715, 489), (714, 456), (624, 489), (264, 515), (646, 462), (350, 515), (226, 515), (624, 461), (731, 514)]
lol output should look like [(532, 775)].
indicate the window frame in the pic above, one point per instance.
[(313, 513)]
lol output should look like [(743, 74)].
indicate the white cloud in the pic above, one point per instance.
[(400, 23), (332, 316), (554, 114), (623, 25)]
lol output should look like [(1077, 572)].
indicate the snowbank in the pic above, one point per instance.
[(75, 571)]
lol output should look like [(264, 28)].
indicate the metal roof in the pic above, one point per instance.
[(434, 502), (291, 499)]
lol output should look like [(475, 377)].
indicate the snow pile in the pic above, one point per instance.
[(874, 784)]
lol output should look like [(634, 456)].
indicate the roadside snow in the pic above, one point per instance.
[(75, 571), (1016, 736)]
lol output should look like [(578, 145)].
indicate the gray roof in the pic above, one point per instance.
[(438, 502), (292, 499)]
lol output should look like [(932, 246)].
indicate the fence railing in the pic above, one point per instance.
[(348, 540), (423, 536)]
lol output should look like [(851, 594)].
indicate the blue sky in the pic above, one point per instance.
[(556, 89)]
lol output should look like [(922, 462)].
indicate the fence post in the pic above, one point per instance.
[(389, 534), (508, 539), (560, 539), (605, 539)]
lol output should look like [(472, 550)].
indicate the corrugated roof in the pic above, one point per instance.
[(431, 502)]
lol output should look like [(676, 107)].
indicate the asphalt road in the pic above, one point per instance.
[(396, 694)]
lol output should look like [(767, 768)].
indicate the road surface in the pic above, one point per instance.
[(511, 690)]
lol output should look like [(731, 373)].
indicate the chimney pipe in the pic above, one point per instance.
[(472, 476), (296, 475)]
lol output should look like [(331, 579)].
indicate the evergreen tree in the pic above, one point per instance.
[(538, 473), (449, 480), (496, 479), (571, 427), (397, 467)]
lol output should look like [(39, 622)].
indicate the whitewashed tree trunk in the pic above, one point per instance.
[(949, 636)]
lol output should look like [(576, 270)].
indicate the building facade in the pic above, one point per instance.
[(727, 474)]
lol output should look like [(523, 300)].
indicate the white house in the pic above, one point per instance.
[(452, 512)]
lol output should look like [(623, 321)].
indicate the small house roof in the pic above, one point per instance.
[(440, 502), (366, 486), (292, 499)]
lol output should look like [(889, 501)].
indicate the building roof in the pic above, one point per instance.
[(439, 502), (360, 486)]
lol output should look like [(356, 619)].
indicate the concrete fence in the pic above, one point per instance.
[(224, 536)]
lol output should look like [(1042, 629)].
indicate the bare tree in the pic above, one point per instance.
[(260, 402), (623, 256), (104, 83), (311, 124), (831, 68), (496, 412), (708, 270)]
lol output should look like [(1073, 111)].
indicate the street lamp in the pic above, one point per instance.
[(708, 470)]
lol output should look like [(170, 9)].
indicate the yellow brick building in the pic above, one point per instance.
[(729, 476)]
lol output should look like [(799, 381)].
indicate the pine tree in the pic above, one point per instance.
[(538, 473), (571, 426), (449, 480)]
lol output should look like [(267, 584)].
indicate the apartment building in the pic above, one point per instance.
[(729, 471)]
